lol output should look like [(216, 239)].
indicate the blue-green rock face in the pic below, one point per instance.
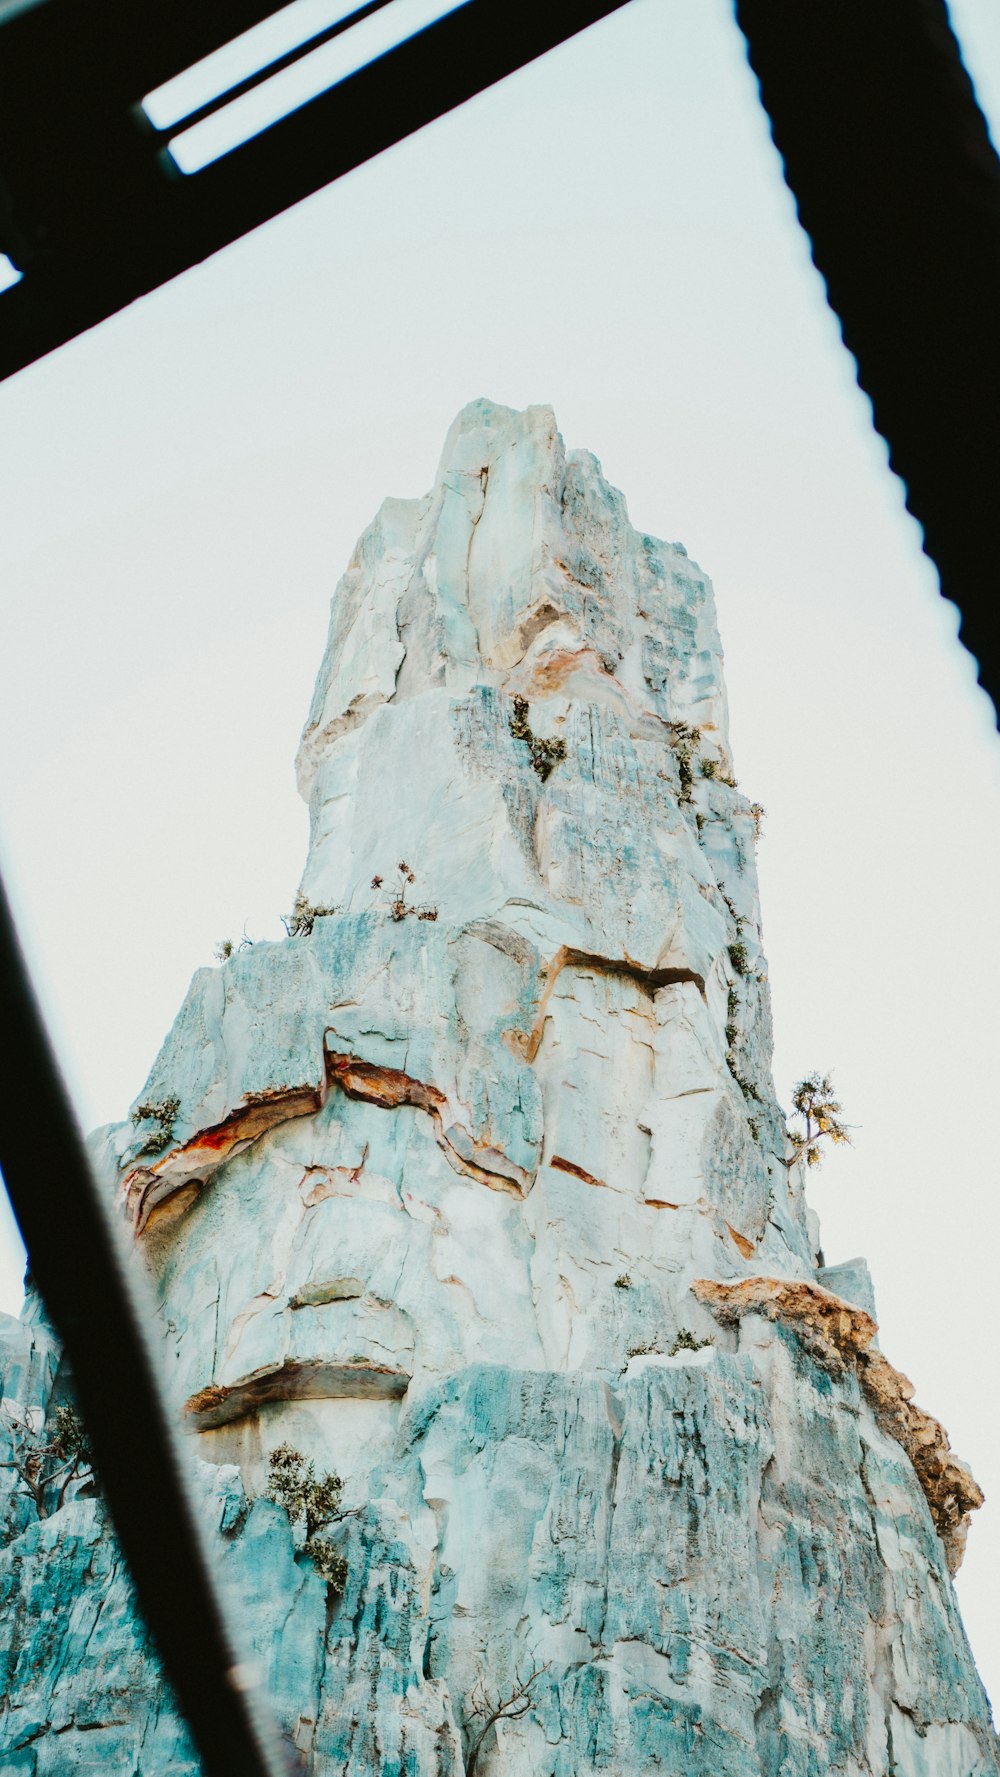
[(475, 1192)]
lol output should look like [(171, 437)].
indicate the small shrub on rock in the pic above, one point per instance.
[(399, 907), (300, 922), (821, 1115), (686, 1341), (739, 958), (545, 754), (163, 1115), (312, 1500)]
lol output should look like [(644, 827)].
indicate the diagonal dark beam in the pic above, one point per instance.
[(91, 210), (98, 1311), (898, 187)]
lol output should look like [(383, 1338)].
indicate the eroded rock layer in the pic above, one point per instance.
[(475, 1190)]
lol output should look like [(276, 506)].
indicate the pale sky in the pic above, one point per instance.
[(608, 232)]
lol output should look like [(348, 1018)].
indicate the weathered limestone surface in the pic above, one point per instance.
[(444, 1176)]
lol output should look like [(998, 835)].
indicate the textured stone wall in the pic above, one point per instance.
[(450, 1187)]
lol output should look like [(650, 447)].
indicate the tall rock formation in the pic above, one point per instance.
[(475, 1190)]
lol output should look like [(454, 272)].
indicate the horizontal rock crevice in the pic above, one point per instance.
[(147, 1190), (650, 980), (312, 1379), (390, 1088)]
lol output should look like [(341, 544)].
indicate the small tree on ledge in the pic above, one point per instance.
[(313, 1499), (821, 1113)]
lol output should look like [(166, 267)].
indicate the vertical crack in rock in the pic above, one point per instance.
[(616, 1422), (489, 1215)]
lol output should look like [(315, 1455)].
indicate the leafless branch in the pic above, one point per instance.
[(45, 1463), (509, 1708)]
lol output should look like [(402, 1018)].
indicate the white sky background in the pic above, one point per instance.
[(608, 232)]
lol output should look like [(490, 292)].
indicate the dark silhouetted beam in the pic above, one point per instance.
[(898, 187), (92, 211), (94, 1304)]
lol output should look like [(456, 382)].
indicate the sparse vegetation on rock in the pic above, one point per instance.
[(488, 1709), (739, 958), (300, 922), (821, 1113), (747, 1087), (732, 1034), (399, 907), (47, 1459), (226, 947), (737, 918), (163, 1115), (545, 754), (684, 742), (312, 1500)]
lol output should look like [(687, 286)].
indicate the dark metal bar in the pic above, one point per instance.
[(286, 60), (898, 187), (94, 214), (131, 46), (96, 1306)]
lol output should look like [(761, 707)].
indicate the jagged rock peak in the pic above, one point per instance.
[(519, 570), (475, 1189), (521, 701)]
